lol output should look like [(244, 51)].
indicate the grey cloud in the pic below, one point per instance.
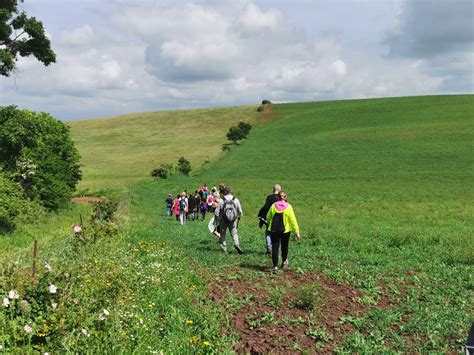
[(428, 28)]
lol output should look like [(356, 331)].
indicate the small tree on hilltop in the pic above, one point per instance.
[(184, 166)]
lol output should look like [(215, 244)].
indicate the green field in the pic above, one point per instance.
[(383, 193)]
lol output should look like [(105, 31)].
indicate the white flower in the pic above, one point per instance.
[(52, 288), (104, 314), (48, 267), (54, 305), (46, 354), (85, 332), (27, 328), (13, 294), (6, 302), (77, 229)]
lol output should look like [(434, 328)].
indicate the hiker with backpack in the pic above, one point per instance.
[(169, 206), (210, 205), (183, 208), (281, 222), (192, 207), (229, 212), (176, 207), (262, 216), (213, 225)]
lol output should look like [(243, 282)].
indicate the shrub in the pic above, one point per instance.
[(12, 202), (38, 152), (260, 108), (105, 208), (184, 166), (266, 102), (160, 172)]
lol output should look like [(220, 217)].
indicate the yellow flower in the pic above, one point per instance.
[(206, 343), (193, 340), (189, 322), (150, 306)]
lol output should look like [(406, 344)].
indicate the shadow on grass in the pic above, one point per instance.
[(254, 266)]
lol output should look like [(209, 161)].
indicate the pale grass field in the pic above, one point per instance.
[(119, 151)]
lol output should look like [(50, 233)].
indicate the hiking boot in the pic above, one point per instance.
[(284, 264), (275, 270), (239, 251)]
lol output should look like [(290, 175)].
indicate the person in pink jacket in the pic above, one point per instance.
[(176, 207)]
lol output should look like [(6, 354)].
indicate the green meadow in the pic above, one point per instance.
[(382, 190)]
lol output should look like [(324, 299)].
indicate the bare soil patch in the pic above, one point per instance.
[(266, 323), (268, 116)]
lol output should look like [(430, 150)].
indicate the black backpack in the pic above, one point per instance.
[(182, 204), (277, 223)]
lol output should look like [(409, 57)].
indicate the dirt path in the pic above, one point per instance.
[(86, 199)]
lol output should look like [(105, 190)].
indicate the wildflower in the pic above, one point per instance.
[(193, 340), (150, 306), (27, 329), (85, 332), (52, 288), (75, 301), (77, 229), (54, 305), (206, 343), (104, 314), (24, 304), (48, 267), (189, 322), (13, 295), (6, 302)]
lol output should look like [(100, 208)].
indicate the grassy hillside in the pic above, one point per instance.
[(382, 190), (122, 150)]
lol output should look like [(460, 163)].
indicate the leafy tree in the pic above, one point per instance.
[(245, 128), (239, 132), (184, 166), (21, 35), (38, 152)]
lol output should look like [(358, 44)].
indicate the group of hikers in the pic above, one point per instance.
[(276, 215)]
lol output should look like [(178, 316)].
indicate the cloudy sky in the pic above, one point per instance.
[(121, 56)]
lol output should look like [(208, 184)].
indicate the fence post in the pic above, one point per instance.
[(35, 254)]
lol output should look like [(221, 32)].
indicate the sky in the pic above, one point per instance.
[(122, 56)]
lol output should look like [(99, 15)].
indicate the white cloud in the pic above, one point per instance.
[(81, 36), (212, 53)]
